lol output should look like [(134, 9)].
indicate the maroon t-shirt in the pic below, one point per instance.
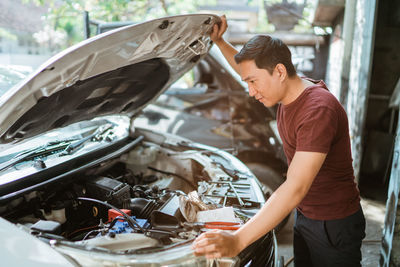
[(317, 122)]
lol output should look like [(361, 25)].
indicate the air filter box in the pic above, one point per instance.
[(110, 190)]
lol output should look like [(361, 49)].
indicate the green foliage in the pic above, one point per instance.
[(67, 15), (263, 26), (7, 35)]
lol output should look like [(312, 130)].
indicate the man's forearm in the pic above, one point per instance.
[(278, 206), (229, 52), (301, 173)]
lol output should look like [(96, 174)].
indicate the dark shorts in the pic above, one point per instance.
[(328, 243)]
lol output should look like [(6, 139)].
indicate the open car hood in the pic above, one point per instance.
[(117, 72)]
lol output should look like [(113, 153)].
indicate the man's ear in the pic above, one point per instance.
[(281, 71)]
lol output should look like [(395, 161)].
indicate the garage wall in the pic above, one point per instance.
[(349, 66), (390, 250), (360, 73), (336, 51), (381, 121)]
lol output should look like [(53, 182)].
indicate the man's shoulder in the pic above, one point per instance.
[(312, 99), (318, 96)]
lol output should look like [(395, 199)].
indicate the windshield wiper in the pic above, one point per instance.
[(73, 147), (67, 147), (38, 151)]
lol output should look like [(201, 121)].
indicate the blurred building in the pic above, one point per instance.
[(18, 24), (241, 16), (309, 51)]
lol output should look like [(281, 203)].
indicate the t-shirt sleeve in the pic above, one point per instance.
[(317, 130)]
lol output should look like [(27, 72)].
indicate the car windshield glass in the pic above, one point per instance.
[(60, 147)]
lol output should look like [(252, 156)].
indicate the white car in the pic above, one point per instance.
[(80, 185)]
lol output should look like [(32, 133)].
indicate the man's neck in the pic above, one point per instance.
[(295, 86)]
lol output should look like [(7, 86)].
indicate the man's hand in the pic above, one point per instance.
[(226, 48), (217, 244), (218, 30)]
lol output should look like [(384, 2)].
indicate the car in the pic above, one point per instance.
[(82, 185)]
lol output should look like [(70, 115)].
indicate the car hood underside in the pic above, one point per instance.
[(117, 72)]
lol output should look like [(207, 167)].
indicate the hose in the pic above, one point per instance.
[(132, 222)]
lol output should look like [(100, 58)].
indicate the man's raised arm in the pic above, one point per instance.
[(226, 48)]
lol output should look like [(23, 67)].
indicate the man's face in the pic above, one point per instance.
[(265, 87)]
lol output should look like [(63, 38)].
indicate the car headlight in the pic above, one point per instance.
[(178, 256)]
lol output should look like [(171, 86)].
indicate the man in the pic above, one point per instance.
[(329, 222)]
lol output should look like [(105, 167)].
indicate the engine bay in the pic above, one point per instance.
[(138, 202)]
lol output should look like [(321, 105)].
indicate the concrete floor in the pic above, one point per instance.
[(374, 212)]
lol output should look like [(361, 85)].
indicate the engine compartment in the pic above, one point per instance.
[(131, 204)]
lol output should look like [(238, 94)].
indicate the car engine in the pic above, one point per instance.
[(134, 202)]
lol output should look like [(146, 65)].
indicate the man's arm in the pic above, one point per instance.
[(226, 48), (301, 173)]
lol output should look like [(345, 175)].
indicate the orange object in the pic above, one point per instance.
[(222, 225), (213, 225), (112, 214)]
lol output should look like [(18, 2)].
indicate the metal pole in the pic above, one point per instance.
[(86, 25), (348, 34)]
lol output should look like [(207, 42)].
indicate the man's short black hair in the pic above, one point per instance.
[(267, 52)]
